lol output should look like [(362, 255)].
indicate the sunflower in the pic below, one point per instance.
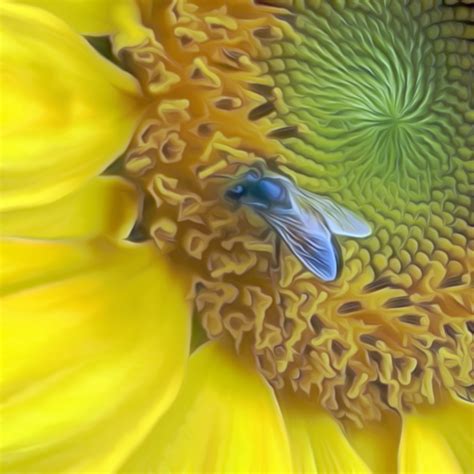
[(147, 326)]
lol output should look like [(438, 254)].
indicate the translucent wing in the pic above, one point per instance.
[(340, 220), (309, 240)]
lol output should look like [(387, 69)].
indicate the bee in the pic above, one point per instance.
[(306, 222)]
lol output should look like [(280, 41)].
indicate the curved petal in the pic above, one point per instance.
[(225, 419), (438, 439), (377, 442), (107, 205), (66, 113), (94, 340), (97, 17), (318, 443)]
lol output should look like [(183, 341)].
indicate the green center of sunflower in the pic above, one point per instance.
[(359, 102)]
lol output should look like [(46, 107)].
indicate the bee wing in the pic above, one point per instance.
[(309, 240), (340, 220)]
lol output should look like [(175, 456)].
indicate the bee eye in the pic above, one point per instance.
[(273, 190), (236, 192)]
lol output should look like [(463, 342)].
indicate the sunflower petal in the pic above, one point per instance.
[(97, 17), (317, 441), (94, 340), (66, 113), (225, 419), (377, 442), (105, 206), (438, 439)]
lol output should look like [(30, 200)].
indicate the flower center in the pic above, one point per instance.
[(305, 94)]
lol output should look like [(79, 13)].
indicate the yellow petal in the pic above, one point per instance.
[(94, 340), (97, 17), (377, 442), (318, 443), (105, 206), (65, 112), (225, 419), (438, 439)]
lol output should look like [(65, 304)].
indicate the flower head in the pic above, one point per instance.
[(148, 324)]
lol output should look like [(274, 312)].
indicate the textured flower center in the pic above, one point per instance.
[(361, 103)]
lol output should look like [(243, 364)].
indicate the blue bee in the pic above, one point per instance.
[(306, 222)]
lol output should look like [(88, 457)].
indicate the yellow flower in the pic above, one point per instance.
[(148, 327)]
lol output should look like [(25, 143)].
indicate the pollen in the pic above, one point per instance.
[(371, 121)]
